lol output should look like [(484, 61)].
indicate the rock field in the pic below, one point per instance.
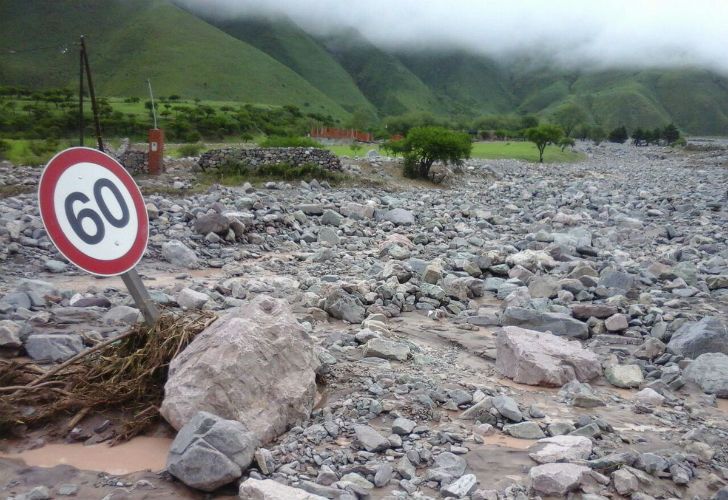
[(526, 331)]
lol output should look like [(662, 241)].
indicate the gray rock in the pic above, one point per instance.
[(405, 468), (55, 266), (616, 323), (586, 311), (383, 475), (211, 223), (17, 300), (624, 482), (370, 439), (447, 467), (524, 430), (624, 376), (536, 358), (331, 218), (461, 487), (124, 315), (561, 449), (256, 365), (399, 217), (558, 324), (191, 299), (328, 235), (507, 407), (695, 338), (68, 490), (38, 287), (177, 254), (210, 452), (53, 347), (403, 426), (650, 349), (341, 305), (619, 281), (710, 372), (9, 335), (256, 489), (387, 349), (556, 478)]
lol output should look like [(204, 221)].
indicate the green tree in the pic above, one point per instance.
[(542, 136), (423, 146), (565, 142), (619, 135), (597, 134), (671, 134), (568, 117)]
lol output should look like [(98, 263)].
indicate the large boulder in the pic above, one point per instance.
[(710, 372), (536, 358), (209, 452), (559, 324), (255, 365), (695, 338)]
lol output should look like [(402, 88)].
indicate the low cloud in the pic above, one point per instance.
[(571, 33)]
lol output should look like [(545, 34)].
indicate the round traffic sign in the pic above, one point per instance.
[(93, 211)]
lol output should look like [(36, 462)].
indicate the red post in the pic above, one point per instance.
[(156, 151)]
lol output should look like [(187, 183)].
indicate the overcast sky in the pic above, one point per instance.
[(602, 33)]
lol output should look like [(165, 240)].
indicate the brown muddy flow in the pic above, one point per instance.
[(138, 454)]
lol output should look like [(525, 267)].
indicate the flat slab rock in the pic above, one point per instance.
[(536, 358), (255, 489)]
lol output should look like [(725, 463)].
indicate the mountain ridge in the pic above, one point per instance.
[(276, 62)]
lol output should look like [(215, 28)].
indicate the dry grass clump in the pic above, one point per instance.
[(126, 373)]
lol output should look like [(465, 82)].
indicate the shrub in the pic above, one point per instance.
[(4, 148), (619, 135), (190, 149), (277, 141), (423, 146)]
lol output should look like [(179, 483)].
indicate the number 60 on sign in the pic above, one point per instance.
[(93, 211)]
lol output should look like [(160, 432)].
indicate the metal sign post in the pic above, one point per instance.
[(93, 210)]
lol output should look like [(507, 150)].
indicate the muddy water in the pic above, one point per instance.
[(139, 454), (154, 278)]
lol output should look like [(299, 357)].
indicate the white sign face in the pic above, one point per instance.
[(95, 211)]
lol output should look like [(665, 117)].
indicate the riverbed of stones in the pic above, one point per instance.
[(525, 331)]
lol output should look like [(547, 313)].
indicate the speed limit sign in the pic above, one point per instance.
[(93, 211)]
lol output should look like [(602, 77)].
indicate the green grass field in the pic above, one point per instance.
[(525, 151)]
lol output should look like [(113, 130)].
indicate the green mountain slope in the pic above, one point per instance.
[(294, 48), (381, 77), (464, 82), (132, 40), (275, 62)]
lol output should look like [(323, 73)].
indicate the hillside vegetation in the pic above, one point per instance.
[(275, 62)]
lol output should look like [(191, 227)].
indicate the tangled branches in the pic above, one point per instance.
[(126, 373)]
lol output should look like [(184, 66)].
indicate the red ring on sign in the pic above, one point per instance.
[(46, 189)]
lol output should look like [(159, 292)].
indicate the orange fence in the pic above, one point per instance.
[(338, 133)]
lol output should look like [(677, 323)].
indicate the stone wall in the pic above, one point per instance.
[(136, 162), (271, 156)]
